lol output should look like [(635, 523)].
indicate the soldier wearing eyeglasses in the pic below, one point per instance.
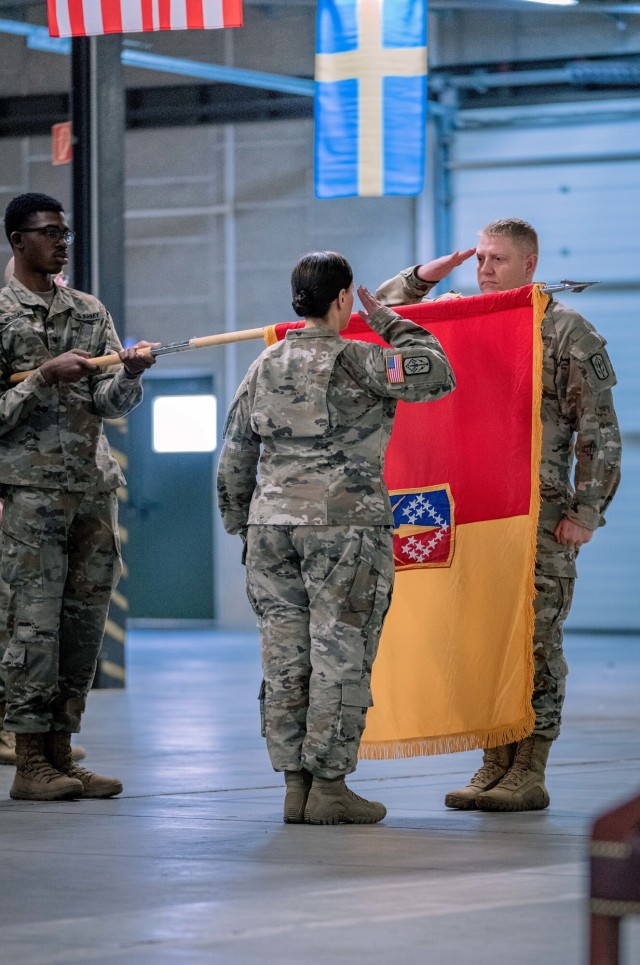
[(58, 481)]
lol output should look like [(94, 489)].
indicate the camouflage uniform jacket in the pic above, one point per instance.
[(51, 437), (578, 419), (307, 431)]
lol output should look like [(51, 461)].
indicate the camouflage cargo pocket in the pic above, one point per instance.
[(28, 555), (370, 592), (15, 656), (356, 699), (21, 563)]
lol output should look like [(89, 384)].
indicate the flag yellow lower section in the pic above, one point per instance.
[(454, 669)]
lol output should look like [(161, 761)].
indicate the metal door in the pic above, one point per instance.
[(168, 515)]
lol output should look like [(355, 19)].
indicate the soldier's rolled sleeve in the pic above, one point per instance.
[(404, 288), (237, 468), (598, 445)]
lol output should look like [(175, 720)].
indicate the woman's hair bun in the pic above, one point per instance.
[(317, 280), (302, 301)]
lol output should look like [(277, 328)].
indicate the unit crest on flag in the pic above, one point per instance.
[(424, 527)]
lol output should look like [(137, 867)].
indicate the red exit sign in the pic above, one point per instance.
[(61, 144)]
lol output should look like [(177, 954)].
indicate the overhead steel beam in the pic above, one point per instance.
[(612, 72), (525, 6), (193, 104), (216, 72), (38, 38), (177, 105), (185, 105), (492, 164), (618, 72), (33, 114)]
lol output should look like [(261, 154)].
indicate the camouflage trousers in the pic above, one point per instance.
[(61, 559), (321, 595), (551, 606)]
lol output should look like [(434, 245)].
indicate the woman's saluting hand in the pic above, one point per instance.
[(370, 303)]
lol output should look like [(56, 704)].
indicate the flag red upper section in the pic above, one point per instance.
[(478, 439)]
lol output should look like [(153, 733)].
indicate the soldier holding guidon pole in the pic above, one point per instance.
[(58, 481)]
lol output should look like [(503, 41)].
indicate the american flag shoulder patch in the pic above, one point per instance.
[(424, 527), (395, 372)]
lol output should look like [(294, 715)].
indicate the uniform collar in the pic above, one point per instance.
[(311, 333), (26, 297)]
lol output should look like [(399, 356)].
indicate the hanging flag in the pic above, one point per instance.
[(84, 18), (454, 669), (370, 97)]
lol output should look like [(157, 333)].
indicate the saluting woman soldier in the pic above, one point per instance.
[(300, 479)]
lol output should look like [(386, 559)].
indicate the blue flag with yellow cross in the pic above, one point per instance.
[(370, 97)]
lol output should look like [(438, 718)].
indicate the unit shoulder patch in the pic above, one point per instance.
[(590, 351), (600, 366), (417, 365)]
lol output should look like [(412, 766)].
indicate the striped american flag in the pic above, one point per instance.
[(83, 18), (394, 368)]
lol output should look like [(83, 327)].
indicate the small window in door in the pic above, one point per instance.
[(184, 423)]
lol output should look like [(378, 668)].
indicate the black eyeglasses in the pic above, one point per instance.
[(54, 234)]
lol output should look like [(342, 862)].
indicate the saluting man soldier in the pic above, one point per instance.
[(58, 481), (579, 426)]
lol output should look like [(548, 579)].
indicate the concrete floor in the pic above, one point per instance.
[(193, 863)]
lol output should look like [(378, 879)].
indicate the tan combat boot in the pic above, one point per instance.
[(523, 789), (331, 802), (36, 779), (7, 741), (7, 747), (496, 762), (58, 752), (298, 787)]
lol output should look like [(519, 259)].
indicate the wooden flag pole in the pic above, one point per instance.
[(244, 335), (204, 341)]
